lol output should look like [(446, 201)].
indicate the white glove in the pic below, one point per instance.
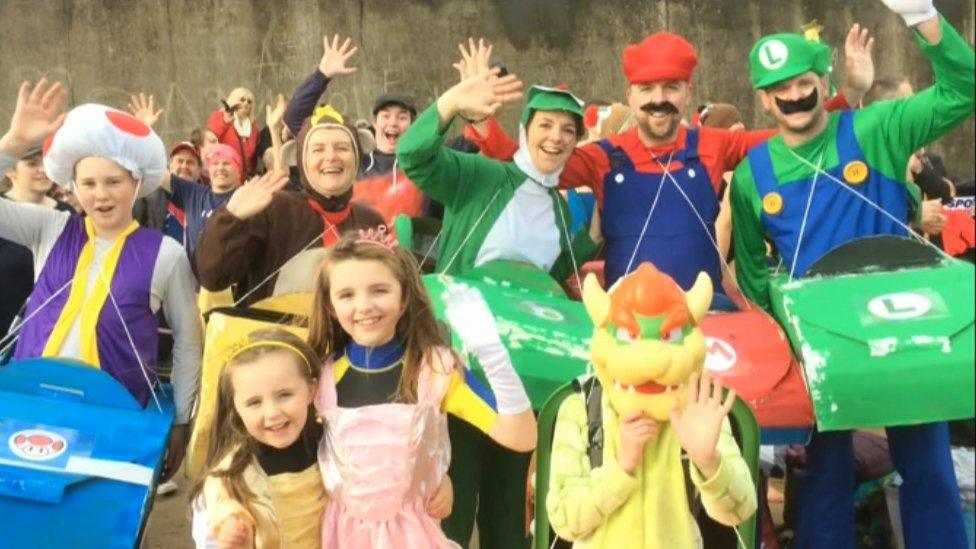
[(912, 11), (471, 319)]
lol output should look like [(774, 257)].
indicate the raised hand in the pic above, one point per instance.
[(474, 59), (858, 63), (470, 317), (334, 58), (274, 115), (479, 96), (36, 116), (912, 11), (698, 425), (144, 108), (254, 196), (636, 430), (235, 533)]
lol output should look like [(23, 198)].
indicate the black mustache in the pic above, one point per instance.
[(666, 107), (803, 104)]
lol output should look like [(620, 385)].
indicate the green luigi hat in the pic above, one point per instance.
[(544, 98), (779, 57)]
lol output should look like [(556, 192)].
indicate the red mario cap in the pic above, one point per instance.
[(660, 56)]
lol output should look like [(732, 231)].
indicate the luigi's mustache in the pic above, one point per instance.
[(803, 104), (665, 107)]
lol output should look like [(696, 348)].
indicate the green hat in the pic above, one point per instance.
[(782, 56), (543, 98)]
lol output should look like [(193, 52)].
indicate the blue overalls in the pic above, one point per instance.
[(929, 498), (837, 215), (675, 241)]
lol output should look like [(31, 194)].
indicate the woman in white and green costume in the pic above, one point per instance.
[(497, 210)]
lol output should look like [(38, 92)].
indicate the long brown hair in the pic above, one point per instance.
[(416, 328), (227, 432)]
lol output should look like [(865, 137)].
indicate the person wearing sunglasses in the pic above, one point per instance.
[(235, 126)]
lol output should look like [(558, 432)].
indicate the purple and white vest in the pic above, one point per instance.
[(131, 285)]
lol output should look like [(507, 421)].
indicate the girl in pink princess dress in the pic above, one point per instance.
[(386, 389)]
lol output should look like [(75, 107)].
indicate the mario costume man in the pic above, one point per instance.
[(810, 189), (658, 183)]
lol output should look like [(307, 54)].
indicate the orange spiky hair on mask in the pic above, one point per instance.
[(648, 292)]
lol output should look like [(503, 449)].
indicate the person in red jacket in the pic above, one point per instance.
[(235, 126)]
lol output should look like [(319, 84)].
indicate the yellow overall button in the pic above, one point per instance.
[(772, 203), (855, 172)]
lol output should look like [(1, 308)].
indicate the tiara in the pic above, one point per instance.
[(379, 236)]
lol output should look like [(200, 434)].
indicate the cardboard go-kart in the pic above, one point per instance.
[(884, 327), (79, 457), (746, 347)]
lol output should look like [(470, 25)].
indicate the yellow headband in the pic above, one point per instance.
[(325, 110), (279, 344)]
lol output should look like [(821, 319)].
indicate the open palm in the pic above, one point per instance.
[(482, 95), (255, 195), (36, 116), (474, 59), (335, 57), (699, 423), (274, 115), (858, 62), (143, 107)]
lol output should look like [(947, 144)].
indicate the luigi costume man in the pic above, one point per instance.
[(808, 189), (495, 210)]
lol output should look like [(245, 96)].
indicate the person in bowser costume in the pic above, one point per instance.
[(658, 182), (648, 352), (828, 179)]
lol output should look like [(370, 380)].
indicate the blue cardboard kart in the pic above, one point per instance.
[(79, 457)]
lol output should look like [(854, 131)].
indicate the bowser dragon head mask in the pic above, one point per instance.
[(646, 339)]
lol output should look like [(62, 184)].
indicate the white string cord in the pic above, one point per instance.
[(647, 221), (873, 204), (806, 214), (132, 343), (569, 241), (701, 220), (433, 246), (274, 273), (14, 333), (474, 226)]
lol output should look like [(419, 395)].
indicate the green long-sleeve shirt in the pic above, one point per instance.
[(888, 133), (478, 192)]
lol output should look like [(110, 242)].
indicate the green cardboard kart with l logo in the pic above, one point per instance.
[(884, 327)]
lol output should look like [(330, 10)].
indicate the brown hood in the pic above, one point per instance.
[(330, 203)]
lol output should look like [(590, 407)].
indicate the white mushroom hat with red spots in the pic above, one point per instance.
[(97, 130)]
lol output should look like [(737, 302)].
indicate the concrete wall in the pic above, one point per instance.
[(189, 53)]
